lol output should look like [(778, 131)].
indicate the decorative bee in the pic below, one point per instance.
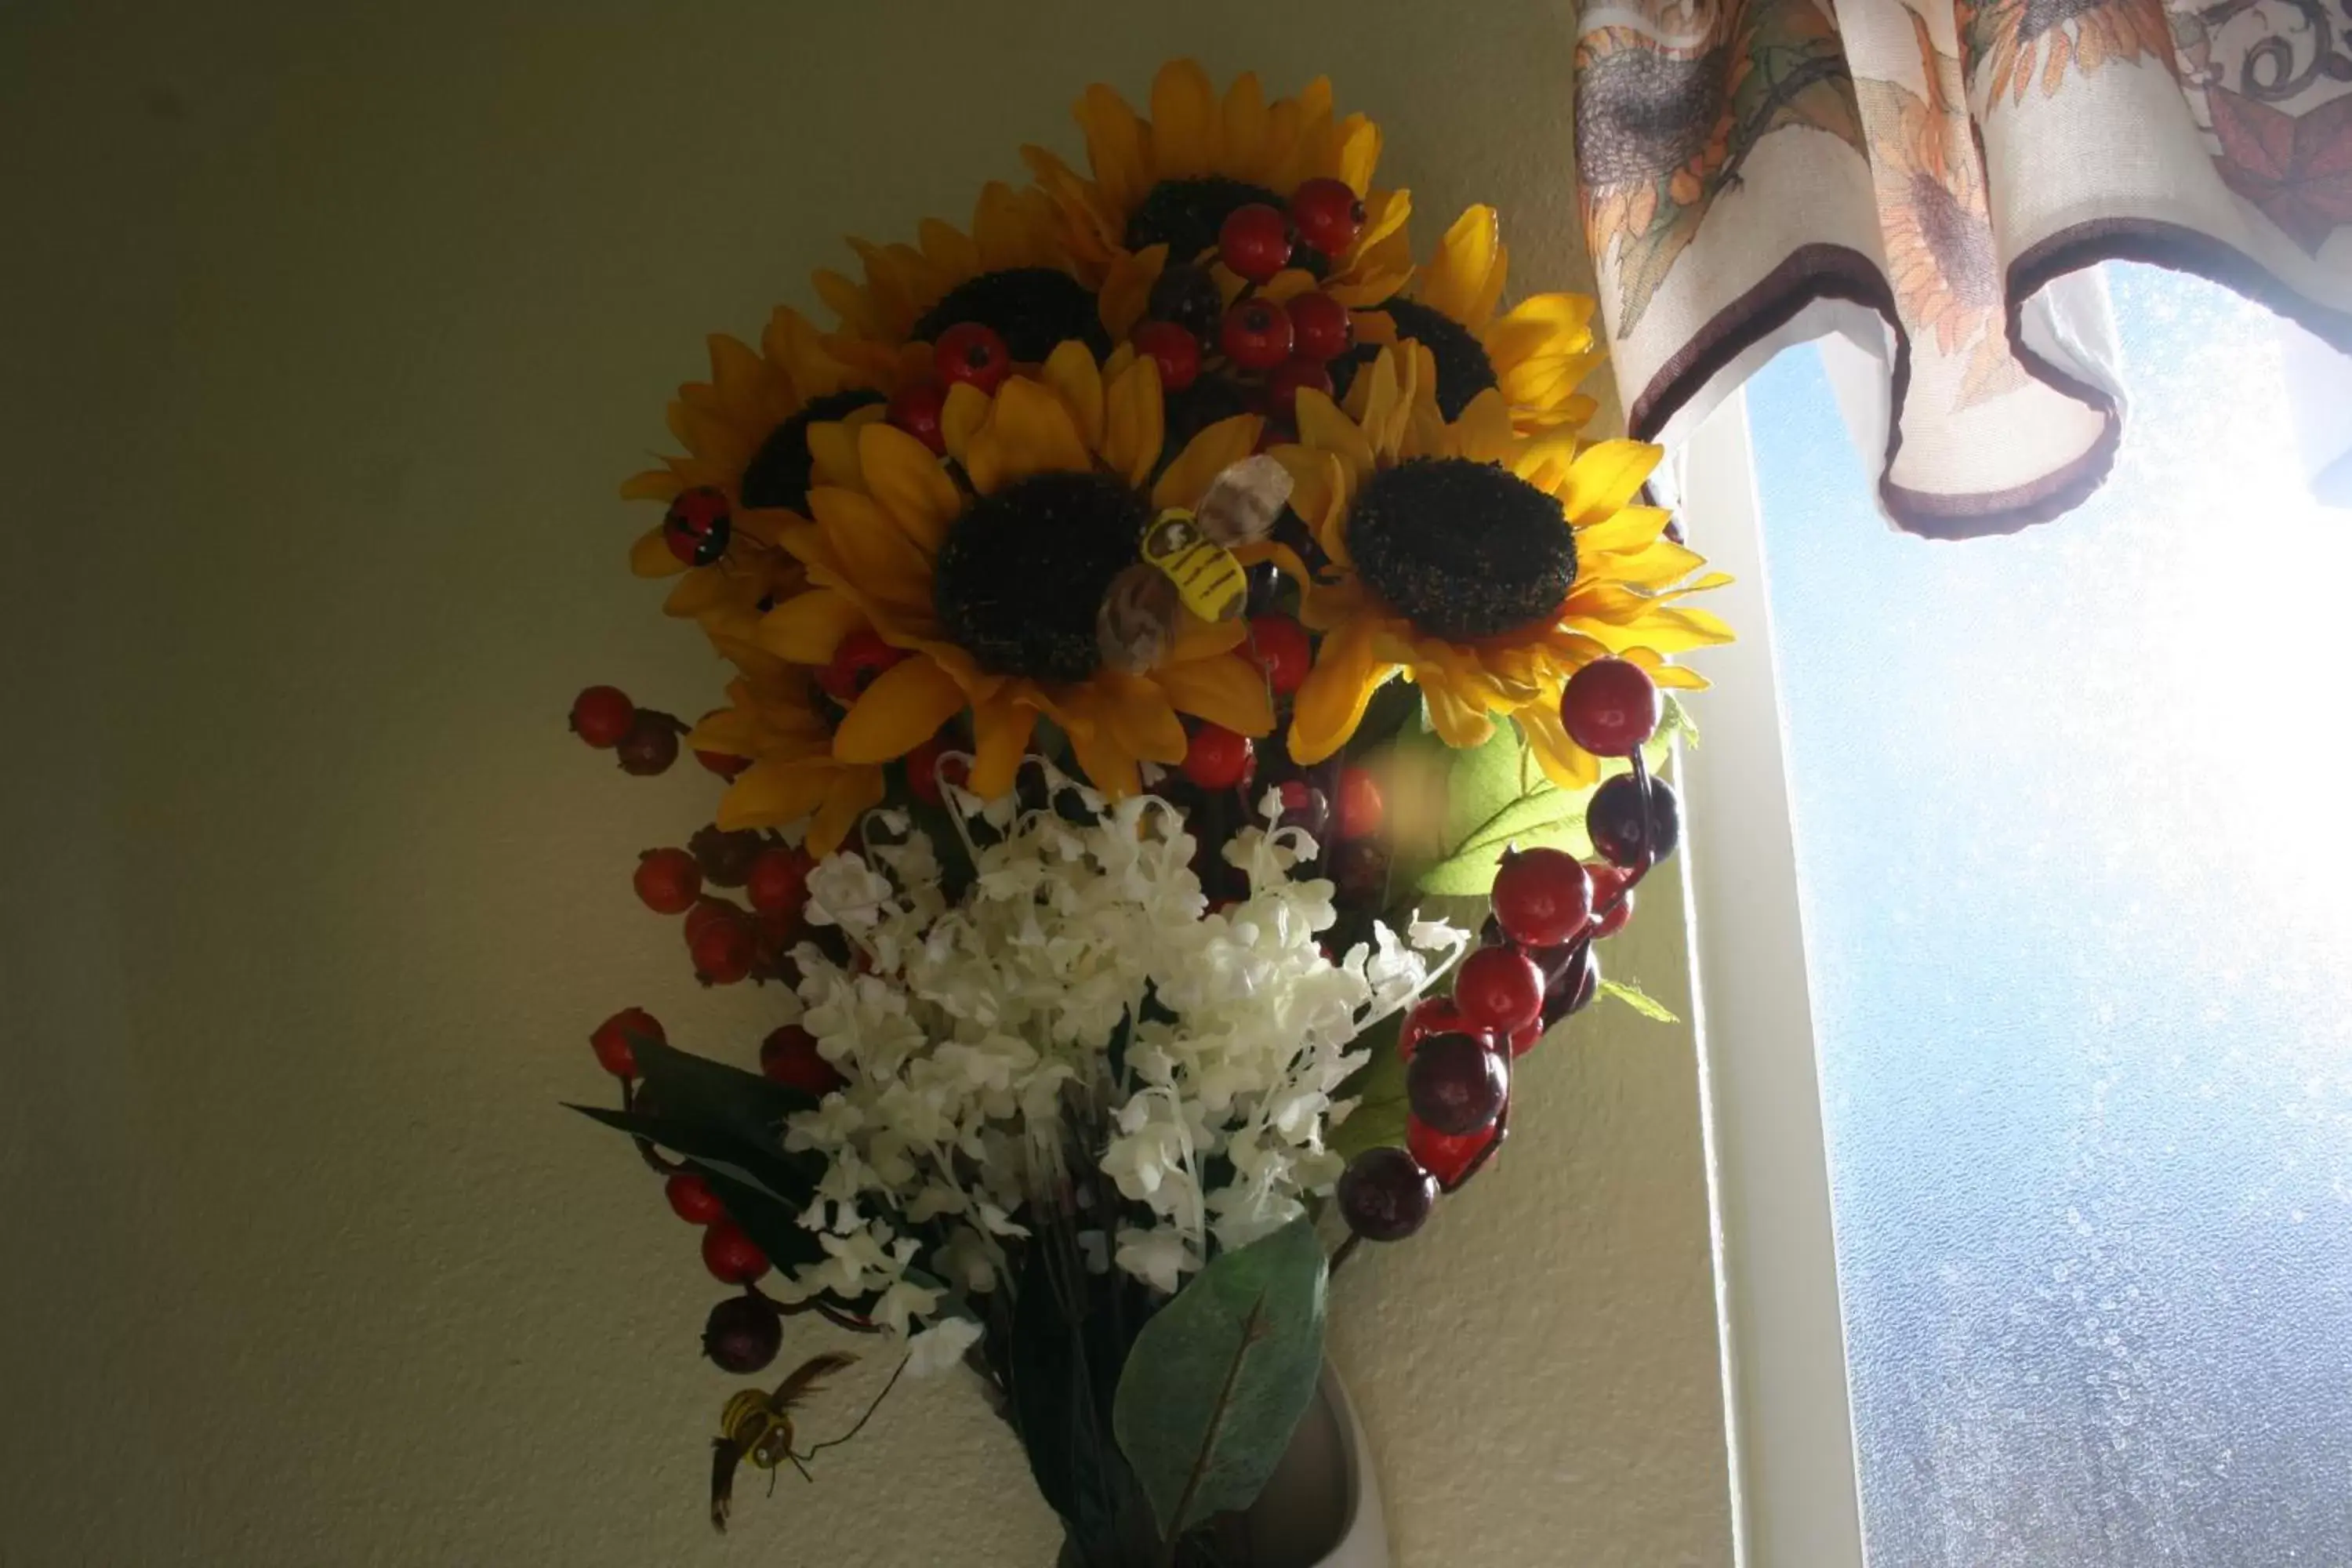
[(758, 1425), (1188, 564)]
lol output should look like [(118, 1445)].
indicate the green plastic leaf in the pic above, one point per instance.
[(1378, 1088), (1217, 1382), (1639, 1000)]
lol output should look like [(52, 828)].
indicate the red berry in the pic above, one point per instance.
[(778, 880), (691, 1199), (1526, 1037), (1328, 213), (1444, 1154), (1290, 379), (1499, 988), (705, 910), (1612, 901), (726, 767), (856, 661), (1361, 807), (1255, 241), (1458, 1083), (602, 716), (667, 880), (926, 772), (1216, 758), (731, 1257), (724, 952), (1178, 352), (1279, 645), (789, 1056), (1611, 707), (1431, 1015), (1302, 805), (697, 525), (612, 1040), (1320, 328), (650, 746), (1385, 1195), (1256, 334), (917, 409), (974, 355), (1542, 897)]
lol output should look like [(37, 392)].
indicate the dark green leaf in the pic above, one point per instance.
[(1218, 1380), (787, 1178), (687, 1087)]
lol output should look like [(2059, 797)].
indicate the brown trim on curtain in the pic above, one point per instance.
[(1839, 272)]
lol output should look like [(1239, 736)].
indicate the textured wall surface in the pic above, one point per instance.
[(325, 333)]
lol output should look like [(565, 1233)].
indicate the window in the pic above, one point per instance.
[(2076, 884)]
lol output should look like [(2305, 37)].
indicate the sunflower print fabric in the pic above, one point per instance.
[(1745, 163)]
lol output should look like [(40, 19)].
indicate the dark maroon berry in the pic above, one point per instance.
[(1615, 821), (743, 1334), (1359, 868), (725, 857), (1304, 807), (1385, 1195), (650, 746), (1574, 990), (1188, 296), (1455, 1083), (1610, 707)]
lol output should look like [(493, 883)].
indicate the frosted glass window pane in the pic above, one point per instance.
[(2076, 862)]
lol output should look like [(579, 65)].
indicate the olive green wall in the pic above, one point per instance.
[(325, 333)]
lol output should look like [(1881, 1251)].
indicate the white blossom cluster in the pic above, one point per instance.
[(1081, 981)]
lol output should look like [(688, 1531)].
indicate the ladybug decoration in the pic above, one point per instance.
[(697, 525)]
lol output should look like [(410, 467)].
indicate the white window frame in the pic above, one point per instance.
[(1795, 1499)]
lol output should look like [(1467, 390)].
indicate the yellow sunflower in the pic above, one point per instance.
[(992, 587), (1012, 273), (1158, 190), (774, 719), (1538, 352), (1482, 565), (745, 432)]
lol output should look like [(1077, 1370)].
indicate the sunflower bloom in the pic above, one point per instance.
[(773, 720), (1482, 565), (1158, 190), (992, 587), (1536, 353), (1012, 273), (745, 433)]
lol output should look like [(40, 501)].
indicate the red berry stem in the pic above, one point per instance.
[(663, 1166)]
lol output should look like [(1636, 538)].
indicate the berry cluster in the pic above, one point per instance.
[(1536, 967)]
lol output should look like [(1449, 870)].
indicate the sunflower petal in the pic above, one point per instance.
[(852, 793), (772, 792), (653, 484), (1325, 428), (1455, 712), (1208, 454), (1001, 729), (1604, 477), (807, 627), (965, 412), (1029, 431), (1359, 150), (1108, 766), (1331, 700), (1246, 148), (1227, 690), (649, 555), (1134, 423), (905, 479), (1070, 370), (905, 707), (872, 552), (833, 455), (1185, 121), (1127, 289), (1115, 147), (1564, 762)]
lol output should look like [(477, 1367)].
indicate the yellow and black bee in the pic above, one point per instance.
[(1188, 564), (757, 1425)]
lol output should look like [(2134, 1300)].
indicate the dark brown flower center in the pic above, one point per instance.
[(1185, 215), (1034, 310), (778, 473), (1022, 572), (1461, 549)]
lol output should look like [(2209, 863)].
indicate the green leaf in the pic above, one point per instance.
[(1639, 1000), (768, 1170), (1218, 1380), (681, 1087), (1378, 1088)]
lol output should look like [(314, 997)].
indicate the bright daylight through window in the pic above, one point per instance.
[(2076, 881)]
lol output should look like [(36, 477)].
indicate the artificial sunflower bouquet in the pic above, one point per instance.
[(1154, 616)]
